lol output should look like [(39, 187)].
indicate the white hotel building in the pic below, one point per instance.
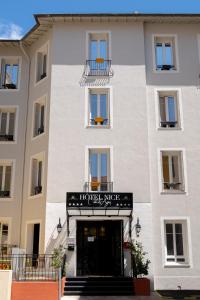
[(107, 105)]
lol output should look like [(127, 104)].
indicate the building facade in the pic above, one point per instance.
[(103, 111)]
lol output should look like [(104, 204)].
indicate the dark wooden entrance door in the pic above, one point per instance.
[(99, 248)]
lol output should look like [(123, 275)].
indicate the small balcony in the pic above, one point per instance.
[(96, 186), (4, 194), (6, 249), (173, 186), (6, 138), (98, 67), (168, 124)]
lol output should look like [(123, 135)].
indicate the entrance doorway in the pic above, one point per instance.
[(99, 248), (33, 239)]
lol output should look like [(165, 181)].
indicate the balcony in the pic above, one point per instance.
[(98, 67), (96, 186), (6, 249)]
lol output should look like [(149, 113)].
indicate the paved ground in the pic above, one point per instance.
[(154, 296)]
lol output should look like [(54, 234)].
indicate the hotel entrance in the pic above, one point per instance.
[(99, 248)]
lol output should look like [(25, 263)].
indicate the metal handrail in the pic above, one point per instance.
[(95, 186), (96, 68)]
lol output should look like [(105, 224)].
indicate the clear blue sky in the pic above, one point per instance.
[(19, 12)]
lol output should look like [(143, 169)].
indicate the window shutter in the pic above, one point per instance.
[(39, 65), (3, 65), (162, 109), (4, 239), (165, 163), (175, 169), (3, 123), (40, 173), (8, 179), (34, 175), (44, 63), (11, 124), (37, 118), (1, 177), (42, 116)]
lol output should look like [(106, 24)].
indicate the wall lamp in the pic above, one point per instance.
[(138, 227), (59, 226)]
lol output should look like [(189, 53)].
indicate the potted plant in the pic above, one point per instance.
[(140, 266)]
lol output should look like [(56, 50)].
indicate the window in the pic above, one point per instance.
[(172, 171), (41, 61), (3, 238), (9, 73), (98, 61), (7, 124), (5, 179), (176, 242), (99, 108), (39, 118), (169, 110), (36, 176), (165, 57), (99, 170)]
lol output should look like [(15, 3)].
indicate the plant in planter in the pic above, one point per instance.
[(58, 259), (140, 266)]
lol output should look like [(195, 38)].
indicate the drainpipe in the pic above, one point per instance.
[(25, 137)]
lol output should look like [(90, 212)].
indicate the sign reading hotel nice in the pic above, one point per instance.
[(100, 200)]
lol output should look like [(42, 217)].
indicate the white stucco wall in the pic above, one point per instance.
[(5, 284)]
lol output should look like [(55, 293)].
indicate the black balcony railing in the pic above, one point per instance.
[(98, 67), (165, 67), (6, 137), (6, 249), (96, 186), (4, 194), (168, 124), (30, 267), (176, 186)]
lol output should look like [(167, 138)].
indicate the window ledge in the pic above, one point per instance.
[(170, 129), (176, 266), (10, 90), (165, 72), (38, 136), (8, 199), (8, 143), (99, 126), (173, 193), (36, 196), (40, 81)]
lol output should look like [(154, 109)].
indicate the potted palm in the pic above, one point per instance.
[(140, 266)]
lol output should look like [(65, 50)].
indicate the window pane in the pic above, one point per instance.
[(171, 109), (4, 238), (179, 244), (103, 107), (103, 49), (3, 123), (94, 166), (37, 118), (93, 107), (159, 55), (104, 167), (93, 50), (170, 244), (1, 177), (168, 54), (7, 178), (169, 228), (178, 228), (15, 74), (40, 173), (42, 117)]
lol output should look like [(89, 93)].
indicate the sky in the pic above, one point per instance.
[(16, 16)]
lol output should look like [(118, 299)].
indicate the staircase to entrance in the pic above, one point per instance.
[(97, 286)]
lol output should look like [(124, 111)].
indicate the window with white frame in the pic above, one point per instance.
[(99, 170), (98, 46), (7, 124), (165, 53), (4, 227), (176, 242), (169, 110), (172, 171), (99, 107), (36, 175), (41, 63), (5, 179), (9, 73), (39, 118)]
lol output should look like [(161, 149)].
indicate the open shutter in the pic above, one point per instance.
[(165, 164), (3, 65), (34, 176), (162, 109), (37, 118), (7, 186), (42, 117), (11, 124), (40, 173), (3, 123)]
